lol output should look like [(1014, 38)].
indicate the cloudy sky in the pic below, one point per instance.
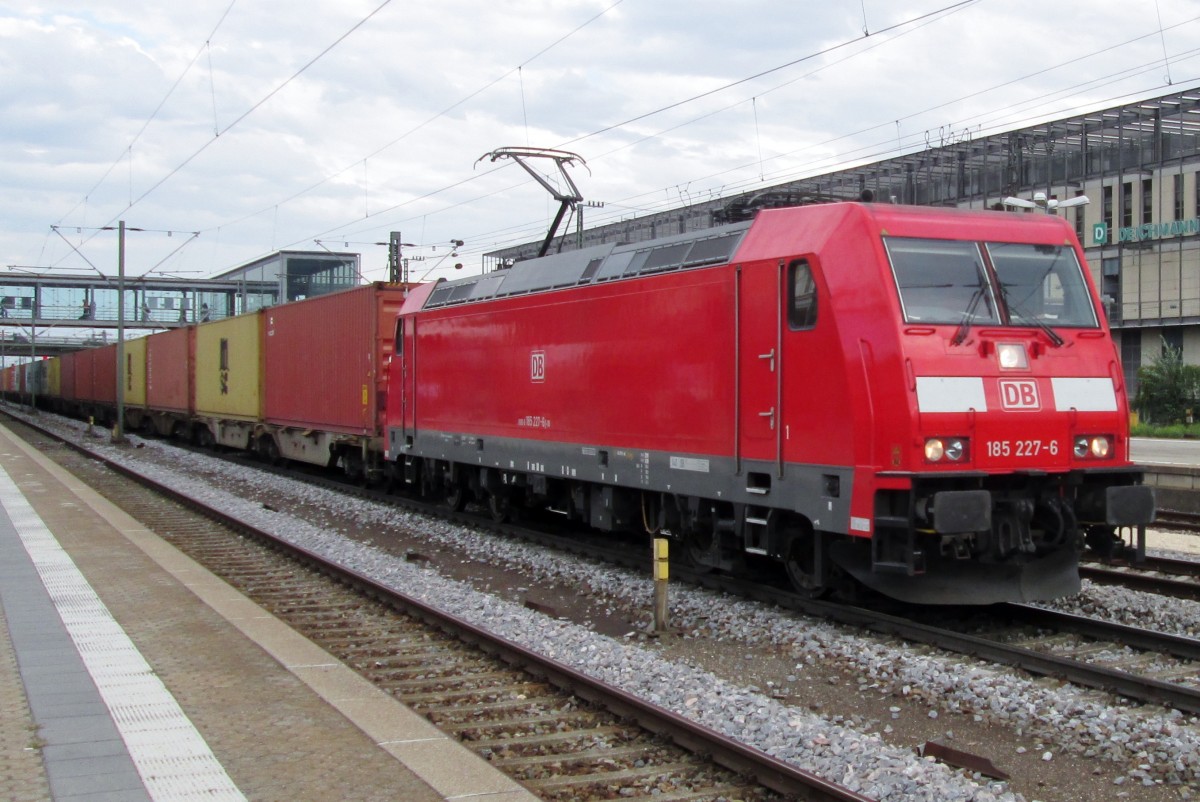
[(269, 125)]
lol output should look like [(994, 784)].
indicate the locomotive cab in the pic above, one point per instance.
[(1015, 398)]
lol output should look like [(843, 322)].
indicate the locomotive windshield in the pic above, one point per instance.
[(1042, 283), (949, 282), (941, 281)]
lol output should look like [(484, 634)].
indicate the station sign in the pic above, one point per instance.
[(1147, 232)]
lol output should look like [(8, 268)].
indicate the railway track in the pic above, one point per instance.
[(557, 731), (1139, 664), (1165, 576), (1179, 520)]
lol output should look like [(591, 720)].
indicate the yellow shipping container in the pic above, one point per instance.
[(54, 377), (135, 373), (229, 368)]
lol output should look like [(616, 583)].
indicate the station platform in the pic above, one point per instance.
[(129, 672)]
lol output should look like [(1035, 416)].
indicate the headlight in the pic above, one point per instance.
[(1093, 446), (948, 449), (1012, 356), (955, 450)]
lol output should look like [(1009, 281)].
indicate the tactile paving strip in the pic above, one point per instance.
[(171, 757)]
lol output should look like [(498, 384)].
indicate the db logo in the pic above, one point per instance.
[(537, 366), (1019, 395)]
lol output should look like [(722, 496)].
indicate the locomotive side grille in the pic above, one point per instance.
[(594, 265)]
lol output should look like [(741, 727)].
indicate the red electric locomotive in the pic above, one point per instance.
[(926, 401)]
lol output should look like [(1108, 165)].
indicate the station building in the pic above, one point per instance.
[(1138, 164), (296, 275)]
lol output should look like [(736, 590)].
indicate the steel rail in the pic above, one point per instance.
[(1140, 578), (1136, 637), (1178, 519), (1089, 675)]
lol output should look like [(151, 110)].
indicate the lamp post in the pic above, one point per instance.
[(32, 362), (118, 435)]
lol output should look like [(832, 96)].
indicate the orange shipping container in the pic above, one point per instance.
[(104, 375), (85, 372)]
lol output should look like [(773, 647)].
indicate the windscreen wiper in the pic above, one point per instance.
[(1015, 313), (964, 327), (1055, 339)]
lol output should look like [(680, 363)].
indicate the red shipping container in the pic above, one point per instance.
[(169, 358), (85, 368), (104, 375), (66, 375), (325, 358)]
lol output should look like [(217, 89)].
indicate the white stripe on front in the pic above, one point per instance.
[(950, 394), (1084, 395), (172, 758)]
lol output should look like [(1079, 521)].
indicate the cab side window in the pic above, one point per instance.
[(802, 296)]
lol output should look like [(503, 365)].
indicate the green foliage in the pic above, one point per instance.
[(1168, 389), (1175, 431)]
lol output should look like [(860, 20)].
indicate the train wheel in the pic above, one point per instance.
[(204, 438), (456, 496), (500, 507), (268, 450), (799, 562), (699, 547)]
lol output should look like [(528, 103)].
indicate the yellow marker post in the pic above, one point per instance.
[(662, 620)]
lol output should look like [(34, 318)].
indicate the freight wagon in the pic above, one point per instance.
[(325, 378), (304, 381)]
